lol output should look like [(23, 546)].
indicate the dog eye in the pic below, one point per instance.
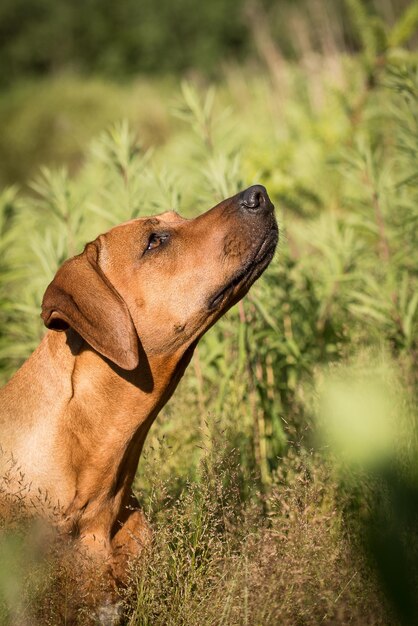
[(156, 240)]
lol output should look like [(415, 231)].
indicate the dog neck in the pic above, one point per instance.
[(98, 422), (111, 411)]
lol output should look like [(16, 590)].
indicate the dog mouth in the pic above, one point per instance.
[(238, 286)]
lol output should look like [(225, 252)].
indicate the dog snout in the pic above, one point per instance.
[(256, 199)]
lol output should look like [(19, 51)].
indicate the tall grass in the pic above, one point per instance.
[(217, 558)]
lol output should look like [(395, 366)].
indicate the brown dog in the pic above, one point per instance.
[(132, 306)]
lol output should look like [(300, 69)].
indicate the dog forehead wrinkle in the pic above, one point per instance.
[(151, 221), (137, 224)]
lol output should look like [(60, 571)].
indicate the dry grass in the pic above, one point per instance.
[(218, 557), (286, 558)]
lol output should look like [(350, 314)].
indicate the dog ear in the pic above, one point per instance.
[(81, 297)]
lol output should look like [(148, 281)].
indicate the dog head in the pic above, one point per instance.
[(162, 280)]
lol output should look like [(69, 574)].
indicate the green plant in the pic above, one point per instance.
[(344, 280)]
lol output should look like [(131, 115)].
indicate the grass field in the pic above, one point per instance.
[(282, 478)]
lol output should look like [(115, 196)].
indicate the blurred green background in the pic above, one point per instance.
[(282, 478)]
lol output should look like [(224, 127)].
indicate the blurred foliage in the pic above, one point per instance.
[(40, 37), (67, 110), (52, 121), (367, 417)]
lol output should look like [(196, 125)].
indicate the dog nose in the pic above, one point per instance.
[(256, 198)]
